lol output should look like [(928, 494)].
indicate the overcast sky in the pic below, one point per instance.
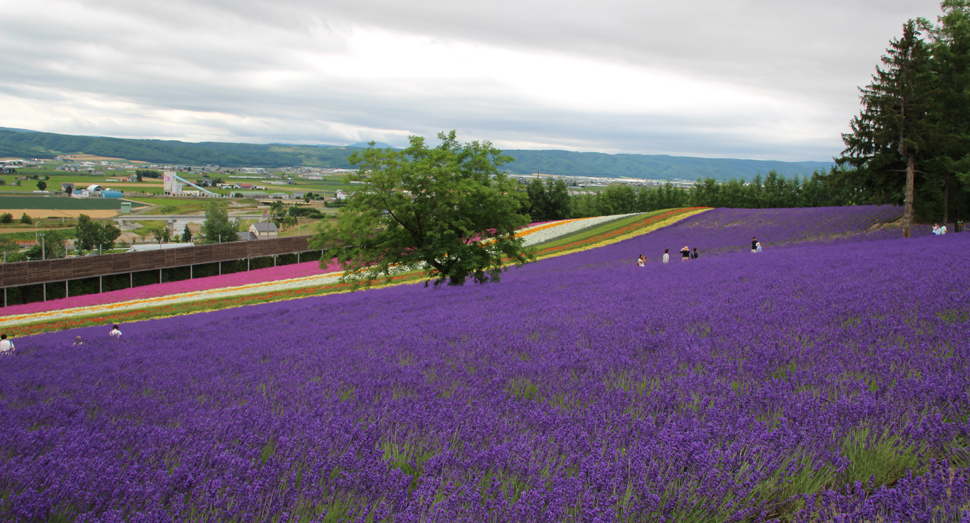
[(714, 78)]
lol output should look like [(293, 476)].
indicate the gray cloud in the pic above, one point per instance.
[(262, 71)]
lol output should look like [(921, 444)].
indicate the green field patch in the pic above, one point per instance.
[(61, 203)]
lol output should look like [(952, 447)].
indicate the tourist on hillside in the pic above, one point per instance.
[(754, 244), (943, 229), (78, 342), (758, 247), (641, 261), (115, 333), (936, 228), (685, 253), (666, 255), (694, 254), (6, 346)]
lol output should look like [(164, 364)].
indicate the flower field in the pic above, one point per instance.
[(275, 283), (821, 381), (534, 233)]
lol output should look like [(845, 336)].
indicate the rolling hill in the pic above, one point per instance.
[(22, 143)]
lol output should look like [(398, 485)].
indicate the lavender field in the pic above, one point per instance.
[(816, 381)]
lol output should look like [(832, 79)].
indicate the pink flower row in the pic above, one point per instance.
[(284, 272)]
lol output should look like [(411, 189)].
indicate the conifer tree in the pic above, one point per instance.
[(950, 64), (894, 123)]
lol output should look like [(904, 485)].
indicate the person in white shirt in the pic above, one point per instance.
[(666, 255), (115, 333), (6, 346)]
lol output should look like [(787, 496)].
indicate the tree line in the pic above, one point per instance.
[(550, 200), (910, 143)]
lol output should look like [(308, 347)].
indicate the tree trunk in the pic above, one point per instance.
[(908, 201), (946, 200)]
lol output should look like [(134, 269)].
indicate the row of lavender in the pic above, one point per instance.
[(732, 229), (581, 388)]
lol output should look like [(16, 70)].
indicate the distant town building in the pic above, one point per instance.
[(264, 230)]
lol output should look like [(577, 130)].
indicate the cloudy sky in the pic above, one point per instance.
[(714, 78)]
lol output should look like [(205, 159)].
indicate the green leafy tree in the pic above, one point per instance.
[(186, 235), (8, 249), (161, 234), (53, 246), (279, 213), (6, 218), (91, 235), (548, 200), (218, 227), (147, 173), (538, 200), (893, 127), (447, 210), (42, 185), (25, 219)]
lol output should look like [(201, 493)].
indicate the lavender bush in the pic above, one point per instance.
[(815, 382)]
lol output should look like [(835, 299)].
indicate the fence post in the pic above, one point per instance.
[(100, 284)]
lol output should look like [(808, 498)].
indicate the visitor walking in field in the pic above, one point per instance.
[(754, 244), (758, 247), (685, 253), (666, 255), (6, 346), (641, 261), (115, 333), (78, 342), (694, 254)]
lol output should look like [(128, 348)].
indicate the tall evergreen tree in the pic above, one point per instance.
[(894, 123), (950, 64)]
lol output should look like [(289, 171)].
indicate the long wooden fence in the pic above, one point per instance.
[(49, 271)]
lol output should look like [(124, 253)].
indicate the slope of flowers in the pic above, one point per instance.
[(582, 388), (534, 233), (732, 229)]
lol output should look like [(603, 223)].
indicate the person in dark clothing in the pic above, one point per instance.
[(694, 254), (685, 253), (754, 244)]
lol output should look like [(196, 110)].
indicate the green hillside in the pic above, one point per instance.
[(17, 143)]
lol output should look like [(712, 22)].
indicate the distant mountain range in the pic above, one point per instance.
[(22, 143)]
